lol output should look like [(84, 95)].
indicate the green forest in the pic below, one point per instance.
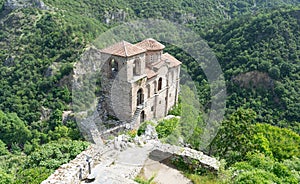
[(259, 138)]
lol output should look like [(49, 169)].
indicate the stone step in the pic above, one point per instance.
[(96, 137), (136, 115)]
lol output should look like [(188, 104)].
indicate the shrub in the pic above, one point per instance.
[(143, 127), (166, 127), (132, 133), (176, 111)]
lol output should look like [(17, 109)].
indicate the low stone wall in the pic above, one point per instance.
[(75, 169), (189, 154), (114, 131)]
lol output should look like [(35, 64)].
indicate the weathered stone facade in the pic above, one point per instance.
[(139, 81)]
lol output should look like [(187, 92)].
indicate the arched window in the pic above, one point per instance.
[(159, 84), (137, 67), (139, 97), (113, 67)]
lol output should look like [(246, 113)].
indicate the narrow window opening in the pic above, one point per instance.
[(148, 90), (113, 67), (142, 116), (159, 84), (137, 67), (134, 69)]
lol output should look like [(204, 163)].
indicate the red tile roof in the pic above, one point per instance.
[(170, 60), (123, 49), (150, 73), (158, 64), (126, 49), (150, 45)]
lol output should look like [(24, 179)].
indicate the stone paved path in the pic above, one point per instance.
[(122, 168), (126, 165)]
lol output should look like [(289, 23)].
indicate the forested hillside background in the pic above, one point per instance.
[(256, 44)]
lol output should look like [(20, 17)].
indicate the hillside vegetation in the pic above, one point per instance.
[(268, 43), (256, 43)]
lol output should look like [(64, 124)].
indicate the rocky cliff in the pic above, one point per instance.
[(15, 4)]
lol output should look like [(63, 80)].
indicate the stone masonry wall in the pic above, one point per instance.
[(70, 172)]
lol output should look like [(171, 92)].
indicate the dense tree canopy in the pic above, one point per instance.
[(239, 135), (267, 43), (258, 168), (13, 130)]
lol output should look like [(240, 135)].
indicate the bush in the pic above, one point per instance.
[(13, 129), (55, 153), (166, 127), (259, 167), (143, 127), (5, 178), (132, 133), (176, 111), (33, 175), (282, 143), (3, 149)]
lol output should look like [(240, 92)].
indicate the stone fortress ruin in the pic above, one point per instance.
[(139, 81)]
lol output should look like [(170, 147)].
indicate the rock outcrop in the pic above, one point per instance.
[(254, 79), (115, 16), (15, 4)]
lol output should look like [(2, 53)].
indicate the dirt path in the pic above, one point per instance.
[(163, 173)]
